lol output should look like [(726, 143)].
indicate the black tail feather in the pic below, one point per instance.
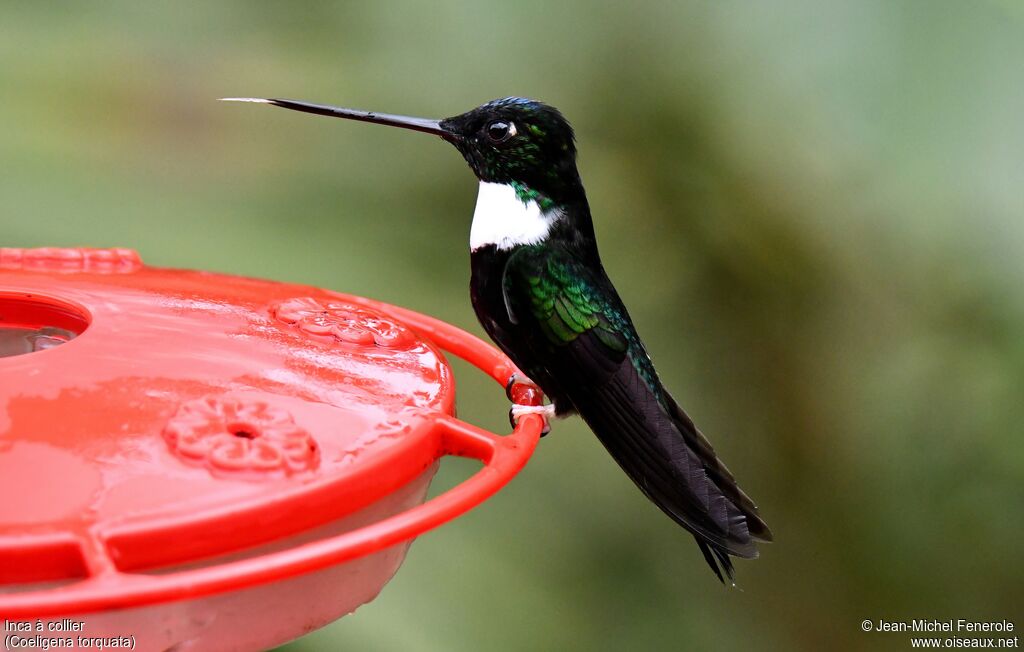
[(717, 559)]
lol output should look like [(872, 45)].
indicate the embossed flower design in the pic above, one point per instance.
[(71, 260), (236, 434), (344, 322)]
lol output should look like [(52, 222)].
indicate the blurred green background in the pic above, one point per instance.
[(813, 210)]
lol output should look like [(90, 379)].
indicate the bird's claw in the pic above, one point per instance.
[(519, 378), (547, 412)]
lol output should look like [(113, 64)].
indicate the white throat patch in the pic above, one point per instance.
[(504, 220)]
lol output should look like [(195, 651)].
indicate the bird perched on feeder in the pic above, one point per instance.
[(541, 293)]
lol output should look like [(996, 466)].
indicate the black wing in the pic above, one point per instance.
[(586, 343)]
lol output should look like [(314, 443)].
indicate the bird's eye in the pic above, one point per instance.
[(499, 131)]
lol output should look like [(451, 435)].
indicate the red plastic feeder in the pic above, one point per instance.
[(209, 462)]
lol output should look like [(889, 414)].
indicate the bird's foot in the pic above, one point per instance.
[(519, 378), (517, 412)]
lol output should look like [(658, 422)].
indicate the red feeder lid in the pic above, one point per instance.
[(192, 414)]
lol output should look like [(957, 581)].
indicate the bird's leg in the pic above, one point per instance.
[(517, 412), (519, 378), (527, 388)]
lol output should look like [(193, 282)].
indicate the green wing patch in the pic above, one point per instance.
[(567, 303)]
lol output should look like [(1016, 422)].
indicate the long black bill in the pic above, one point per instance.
[(406, 122)]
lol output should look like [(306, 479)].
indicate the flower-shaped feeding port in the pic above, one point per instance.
[(71, 260), (231, 434), (343, 322)]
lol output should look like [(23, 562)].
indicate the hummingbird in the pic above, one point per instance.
[(541, 293)]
